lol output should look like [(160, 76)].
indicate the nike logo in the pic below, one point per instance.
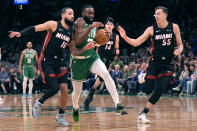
[(157, 30), (60, 29), (168, 30)]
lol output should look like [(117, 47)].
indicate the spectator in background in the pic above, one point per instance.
[(192, 84), (118, 74), (15, 82), (176, 75), (117, 61), (132, 68), (141, 71), (121, 83), (185, 74), (131, 83), (5, 80)]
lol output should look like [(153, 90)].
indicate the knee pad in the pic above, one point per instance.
[(101, 80)]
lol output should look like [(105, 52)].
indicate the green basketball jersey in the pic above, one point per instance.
[(28, 58), (90, 38)]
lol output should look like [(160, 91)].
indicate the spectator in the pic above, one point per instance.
[(117, 61), (15, 82), (141, 71), (121, 83), (5, 80), (184, 77)]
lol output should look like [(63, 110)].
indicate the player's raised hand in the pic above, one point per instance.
[(121, 31), (96, 25), (90, 45), (14, 33)]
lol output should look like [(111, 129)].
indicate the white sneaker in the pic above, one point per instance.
[(60, 118), (176, 88), (142, 119), (36, 110)]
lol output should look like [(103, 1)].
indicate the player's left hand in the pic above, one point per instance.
[(14, 33), (177, 52), (121, 31), (90, 45)]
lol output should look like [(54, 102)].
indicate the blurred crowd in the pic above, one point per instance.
[(126, 69)]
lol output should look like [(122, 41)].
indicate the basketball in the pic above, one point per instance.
[(102, 36)]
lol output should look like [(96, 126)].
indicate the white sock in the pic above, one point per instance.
[(100, 69), (77, 88)]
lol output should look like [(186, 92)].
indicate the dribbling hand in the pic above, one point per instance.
[(121, 31), (90, 45), (13, 34), (96, 25)]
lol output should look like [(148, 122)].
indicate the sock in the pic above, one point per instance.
[(41, 100), (146, 110), (61, 111)]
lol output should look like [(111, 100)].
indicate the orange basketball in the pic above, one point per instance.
[(102, 36)]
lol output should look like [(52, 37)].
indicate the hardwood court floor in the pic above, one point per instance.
[(170, 114)]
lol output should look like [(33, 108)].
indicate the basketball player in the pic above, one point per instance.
[(84, 31), (28, 56), (59, 36), (163, 35), (106, 53)]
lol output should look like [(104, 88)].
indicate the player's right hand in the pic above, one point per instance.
[(96, 25), (121, 31), (90, 45), (20, 71), (14, 33)]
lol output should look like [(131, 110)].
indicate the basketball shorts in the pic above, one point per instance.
[(81, 67), (53, 68), (28, 71)]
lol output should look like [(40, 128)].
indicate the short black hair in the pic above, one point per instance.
[(64, 9), (164, 9), (86, 6), (109, 19)]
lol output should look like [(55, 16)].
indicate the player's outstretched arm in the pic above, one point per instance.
[(177, 33), (139, 40), (117, 45), (77, 51), (49, 26), (80, 35)]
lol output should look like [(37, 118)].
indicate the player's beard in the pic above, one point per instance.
[(68, 22), (87, 20)]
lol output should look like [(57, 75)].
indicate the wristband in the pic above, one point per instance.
[(28, 30)]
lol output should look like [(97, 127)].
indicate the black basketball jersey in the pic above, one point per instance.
[(163, 42), (107, 50), (56, 42)]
